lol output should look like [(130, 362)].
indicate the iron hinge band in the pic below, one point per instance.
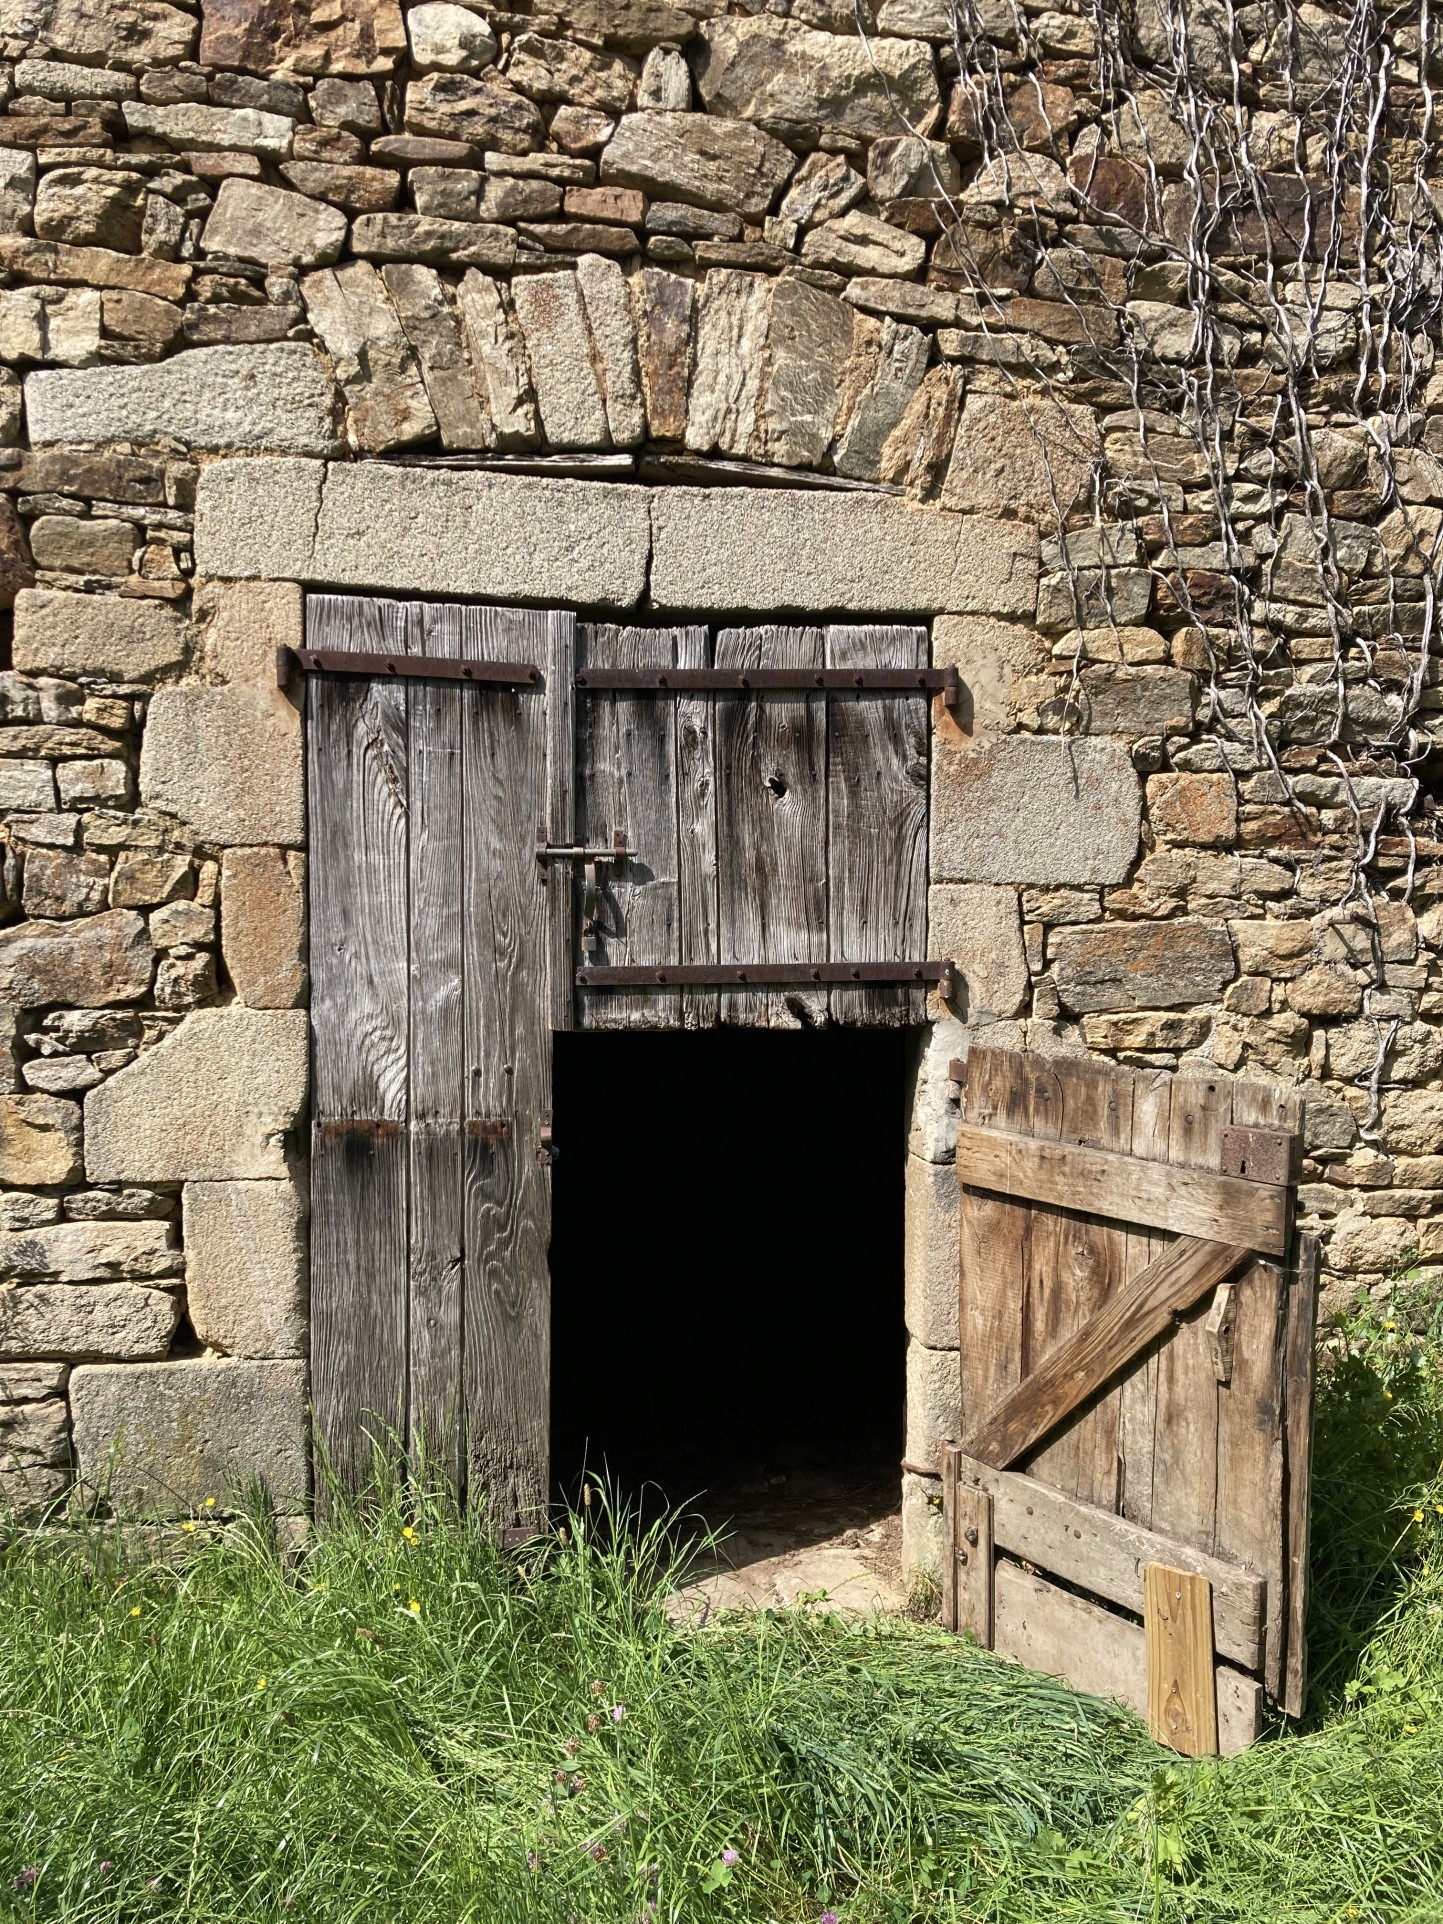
[(293, 663), (769, 975)]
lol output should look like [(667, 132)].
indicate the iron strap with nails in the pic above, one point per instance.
[(769, 681), (292, 663), (765, 975)]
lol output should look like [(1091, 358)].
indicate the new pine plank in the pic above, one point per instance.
[(696, 829), (1103, 1655), (1298, 1376), (877, 823), (1178, 1643), (358, 794), (1106, 1555), (771, 758), (626, 760), (1095, 1352), (558, 827), (508, 1064), (1188, 1202)]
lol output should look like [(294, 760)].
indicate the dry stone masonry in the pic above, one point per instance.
[(1101, 336)]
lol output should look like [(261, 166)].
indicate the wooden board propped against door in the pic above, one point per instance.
[(1136, 1378), (431, 1044)]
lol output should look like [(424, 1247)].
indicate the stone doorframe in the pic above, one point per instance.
[(220, 1100)]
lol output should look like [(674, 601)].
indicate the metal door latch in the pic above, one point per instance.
[(546, 1150), (615, 851)]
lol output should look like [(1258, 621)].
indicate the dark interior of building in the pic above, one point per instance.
[(727, 1324)]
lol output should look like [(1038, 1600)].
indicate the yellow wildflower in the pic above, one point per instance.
[(210, 1503), (136, 1611), (260, 1683), (189, 1527), (1390, 1325), (408, 1533), (414, 1607), (1417, 1516)]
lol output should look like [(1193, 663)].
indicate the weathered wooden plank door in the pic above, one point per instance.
[(1136, 1343), (786, 829), (431, 1047)]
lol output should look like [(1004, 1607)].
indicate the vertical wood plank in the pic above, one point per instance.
[(626, 760), (1181, 1686), (437, 1084), (508, 1066), (559, 824), (772, 799), (357, 785), (1298, 1378), (877, 823), (971, 1552), (1137, 1394), (696, 829), (949, 1459)]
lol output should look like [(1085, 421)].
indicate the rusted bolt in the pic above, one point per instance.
[(970, 1533)]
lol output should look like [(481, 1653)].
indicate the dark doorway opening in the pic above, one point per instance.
[(726, 1262)]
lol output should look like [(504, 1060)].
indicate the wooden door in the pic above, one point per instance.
[(782, 831), (1128, 1503), (431, 1046)]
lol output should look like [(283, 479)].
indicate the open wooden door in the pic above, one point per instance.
[(1127, 1507), (428, 772)]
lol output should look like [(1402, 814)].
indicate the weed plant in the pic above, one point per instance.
[(405, 1725)]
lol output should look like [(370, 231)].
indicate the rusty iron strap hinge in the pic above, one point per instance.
[(768, 681), (292, 663), (767, 975)]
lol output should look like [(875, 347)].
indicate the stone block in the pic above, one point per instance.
[(934, 1402), (239, 625), (59, 884), (27, 785), (859, 243), (31, 1382), (104, 783), (1369, 1244), (1150, 1031), (362, 37), (923, 1532), (159, 1439), (1128, 965), (932, 1131), (213, 1102), (483, 110), (79, 1322), (91, 207), (552, 317), (127, 33), (1280, 950), (274, 228), (386, 401), (729, 362), (1197, 811), (102, 1252), (774, 550), (89, 962), (768, 69), (931, 1272), (449, 39), (50, 326), (1118, 700), (1034, 809), (39, 1141), (1413, 1122), (245, 1267), (277, 396), (999, 663), (258, 517), (263, 925), (32, 1434), (1012, 455), (725, 164), (93, 545), (74, 635), (228, 762), (190, 126), (979, 928)]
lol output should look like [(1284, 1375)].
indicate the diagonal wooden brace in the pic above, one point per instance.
[(1105, 1344)]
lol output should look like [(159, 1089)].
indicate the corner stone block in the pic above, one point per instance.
[(213, 1102), (72, 635), (923, 1534), (39, 1141), (239, 625), (767, 551), (1035, 809), (935, 1098), (263, 925), (257, 518), (157, 1439), (245, 1267), (1002, 666), (980, 928), (278, 397), (931, 1259), (934, 1401), (81, 1322), (228, 762)]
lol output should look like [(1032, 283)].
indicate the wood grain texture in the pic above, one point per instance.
[(696, 829), (1178, 1642), (1106, 1555), (970, 1549), (508, 1067), (771, 758), (1126, 1323), (1126, 1188), (558, 827), (877, 823), (993, 1254), (627, 779), (1105, 1655), (1299, 1366)]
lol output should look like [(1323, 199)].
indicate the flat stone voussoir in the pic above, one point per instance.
[(277, 396), (214, 1101), (62, 634), (158, 1439), (770, 551), (1035, 809)]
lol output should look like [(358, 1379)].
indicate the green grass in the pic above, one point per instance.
[(232, 1737)]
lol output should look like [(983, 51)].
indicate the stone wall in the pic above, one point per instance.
[(1102, 338)]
